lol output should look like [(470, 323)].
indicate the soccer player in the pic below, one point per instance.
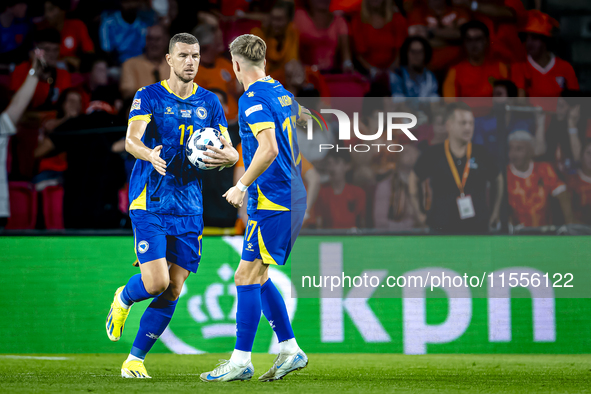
[(276, 206), (165, 193)]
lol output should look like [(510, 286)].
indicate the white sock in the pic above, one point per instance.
[(240, 358), (131, 358), (123, 304), (289, 347)]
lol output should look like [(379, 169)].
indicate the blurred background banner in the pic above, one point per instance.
[(58, 291)]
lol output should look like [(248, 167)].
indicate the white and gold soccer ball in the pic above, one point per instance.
[(197, 146)]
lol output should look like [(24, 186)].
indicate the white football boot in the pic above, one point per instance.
[(227, 371), (284, 364)]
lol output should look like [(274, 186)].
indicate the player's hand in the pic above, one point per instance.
[(234, 196), (226, 157), (158, 163)]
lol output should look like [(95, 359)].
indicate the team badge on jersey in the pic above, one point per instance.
[(136, 104), (201, 113), (186, 113), (168, 111), (143, 246)]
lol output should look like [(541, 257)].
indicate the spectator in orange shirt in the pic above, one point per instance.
[(378, 33), (580, 186), (530, 185), (542, 74), (215, 71), (74, 34), (340, 205), (440, 24), (323, 36), (474, 76), (52, 81), (149, 68), (281, 38)]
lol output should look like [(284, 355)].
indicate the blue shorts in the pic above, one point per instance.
[(270, 235), (176, 238)]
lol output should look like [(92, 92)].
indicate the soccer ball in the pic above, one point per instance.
[(197, 146)]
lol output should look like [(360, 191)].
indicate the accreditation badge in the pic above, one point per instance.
[(466, 207)]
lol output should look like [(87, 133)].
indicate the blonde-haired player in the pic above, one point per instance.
[(276, 206)]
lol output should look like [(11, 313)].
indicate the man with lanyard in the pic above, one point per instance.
[(458, 204)]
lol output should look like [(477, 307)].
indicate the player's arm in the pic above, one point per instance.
[(135, 146), (262, 159)]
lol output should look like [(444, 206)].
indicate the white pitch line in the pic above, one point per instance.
[(35, 357)]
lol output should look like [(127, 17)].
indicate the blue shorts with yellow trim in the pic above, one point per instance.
[(176, 238), (270, 235)]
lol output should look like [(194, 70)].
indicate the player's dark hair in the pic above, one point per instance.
[(508, 85), (474, 25), (451, 109), (184, 38), (406, 46), (47, 35)]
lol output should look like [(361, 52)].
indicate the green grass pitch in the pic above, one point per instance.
[(326, 373)]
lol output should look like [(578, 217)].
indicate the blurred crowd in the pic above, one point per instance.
[(69, 70)]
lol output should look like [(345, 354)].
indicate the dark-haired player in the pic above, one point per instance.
[(165, 193)]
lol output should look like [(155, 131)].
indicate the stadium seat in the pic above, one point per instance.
[(124, 199), (53, 208), (23, 206)]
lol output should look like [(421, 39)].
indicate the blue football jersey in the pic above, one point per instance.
[(267, 104), (171, 121)]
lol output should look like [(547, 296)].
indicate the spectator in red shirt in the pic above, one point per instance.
[(579, 185), (340, 205), (378, 33), (52, 81), (96, 70), (503, 18), (323, 35), (440, 24), (74, 34), (474, 76), (530, 185), (542, 74)]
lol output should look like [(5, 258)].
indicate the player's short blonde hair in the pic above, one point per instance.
[(250, 47)]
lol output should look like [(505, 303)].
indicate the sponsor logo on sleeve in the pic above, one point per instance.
[(254, 108)]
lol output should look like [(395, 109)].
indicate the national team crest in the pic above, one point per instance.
[(186, 113), (136, 104), (201, 113), (143, 246)]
